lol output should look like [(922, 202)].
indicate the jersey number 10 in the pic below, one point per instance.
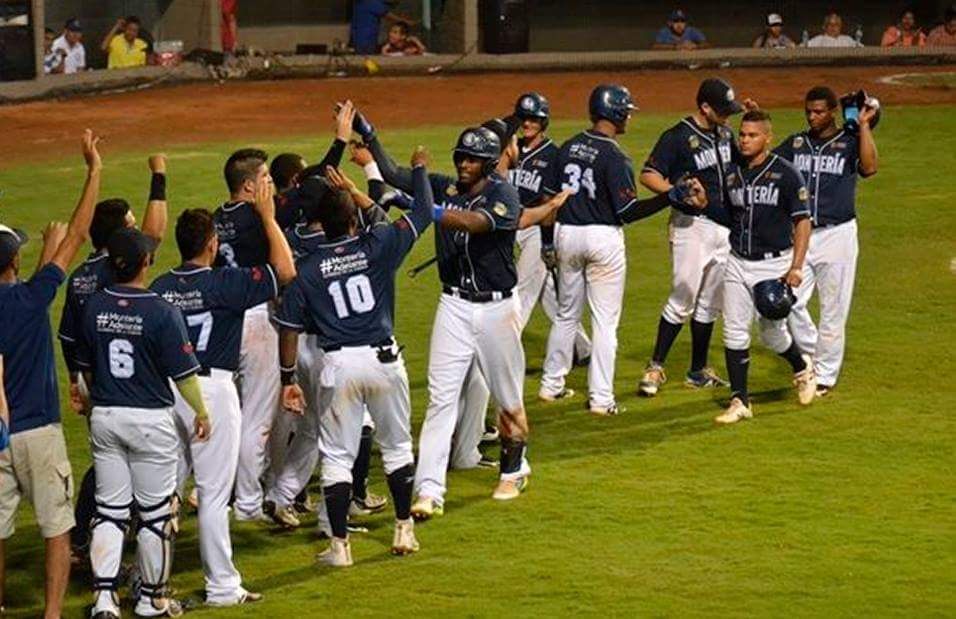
[(358, 288), (577, 179)]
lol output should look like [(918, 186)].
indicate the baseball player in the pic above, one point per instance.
[(33, 459), (769, 233), (346, 289), (590, 244), (213, 302), (90, 277), (703, 145), (131, 344), (478, 317), (830, 160), (531, 173)]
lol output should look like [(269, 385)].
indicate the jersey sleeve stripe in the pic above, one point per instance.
[(187, 373), (275, 280), (285, 323), (649, 168), (802, 213), (494, 226), (66, 338), (83, 364), (411, 224), (627, 206)]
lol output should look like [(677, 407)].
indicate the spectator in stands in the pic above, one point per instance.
[(678, 35), (400, 43), (123, 46), (832, 35), (366, 21), (944, 35), (905, 33), (773, 35), (52, 60), (229, 26), (69, 46)]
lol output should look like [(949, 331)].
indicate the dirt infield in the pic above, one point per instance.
[(160, 118)]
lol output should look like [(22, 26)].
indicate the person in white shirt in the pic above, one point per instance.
[(69, 46), (832, 35)]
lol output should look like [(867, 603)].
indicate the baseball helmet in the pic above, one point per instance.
[(534, 106), (774, 298), (481, 143), (612, 102)]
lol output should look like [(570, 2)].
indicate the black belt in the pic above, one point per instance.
[(755, 257), (475, 296), (386, 343), (204, 372)]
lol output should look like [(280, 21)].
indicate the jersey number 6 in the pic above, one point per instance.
[(360, 297), (121, 359), (577, 179)]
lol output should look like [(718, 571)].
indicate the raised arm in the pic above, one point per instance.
[(105, 43), (869, 158), (156, 216), (280, 254), (79, 227), (394, 175)]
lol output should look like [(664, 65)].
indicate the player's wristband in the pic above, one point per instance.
[(436, 213), (157, 187), (287, 376)]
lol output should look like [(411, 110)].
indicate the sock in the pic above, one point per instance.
[(400, 485), (302, 496), (700, 333), (337, 497), (360, 468), (738, 362), (666, 334), (794, 357), (512, 453)]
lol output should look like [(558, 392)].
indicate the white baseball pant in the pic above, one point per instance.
[(592, 266), (472, 411), (699, 250), (259, 391), (135, 453), (465, 332), (740, 276), (213, 464), (535, 284), (303, 450), (357, 378), (831, 269)]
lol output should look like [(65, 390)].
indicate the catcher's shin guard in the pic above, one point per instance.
[(512, 455), (156, 530), (108, 528)]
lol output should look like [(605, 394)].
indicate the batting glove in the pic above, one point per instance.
[(549, 256), (363, 127)]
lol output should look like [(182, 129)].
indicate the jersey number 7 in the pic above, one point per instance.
[(576, 178)]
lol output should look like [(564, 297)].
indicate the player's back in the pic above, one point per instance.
[(213, 302), (303, 240), (86, 280), (242, 239), (601, 177), (133, 341)]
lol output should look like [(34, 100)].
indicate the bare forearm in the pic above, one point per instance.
[(801, 240), (869, 158), (157, 210), (288, 348), (542, 214), (466, 221), (655, 182), (79, 228)]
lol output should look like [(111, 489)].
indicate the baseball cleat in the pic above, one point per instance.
[(824, 390), (304, 507), (404, 542), (737, 411), (806, 382), (564, 394), (426, 508), (490, 434), (105, 614), (244, 597), (338, 554), (193, 499), (162, 607), (371, 504), (652, 380), (258, 516), (283, 516), (707, 377), (487, 463), (510, 488), (605, 411)]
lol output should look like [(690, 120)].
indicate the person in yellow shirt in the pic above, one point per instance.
[(123, 45)]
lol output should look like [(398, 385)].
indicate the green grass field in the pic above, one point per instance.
[(843, 509)]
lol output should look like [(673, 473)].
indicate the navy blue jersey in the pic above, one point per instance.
[(345, 289), (242, 238), (133, 342), (26, 343), (686, 149), (830, 169), (535, 174), (289, 208), (764, 201), (303, 241), (480, 262), (213, 302), (601, 176), (88, 278)]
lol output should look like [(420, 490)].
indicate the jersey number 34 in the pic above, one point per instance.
[(576, 178)]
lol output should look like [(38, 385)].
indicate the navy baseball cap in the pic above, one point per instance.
[(677, 15), (128, 248), (73, 25), (11, 240), (719, 95)]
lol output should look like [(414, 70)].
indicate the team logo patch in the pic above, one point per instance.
[(123, 303), (500, 209), (339, 250), (469, 139), (798, 141), (256, 274), (839, 146), (693, 142), (451, 191), (188, 348), (803, 194), (627, 193), (527, 103), (730, 94)]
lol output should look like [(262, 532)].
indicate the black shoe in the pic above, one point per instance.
[(490, 434), (580, 362)]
